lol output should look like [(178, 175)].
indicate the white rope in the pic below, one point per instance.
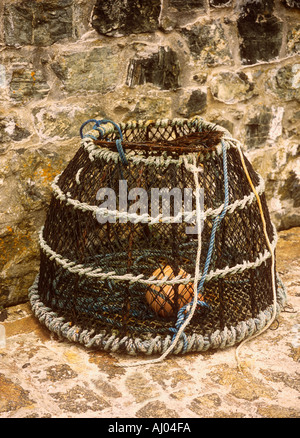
[(174, 342), (138, 157), (88, 271), (146, 218), (77, 175)]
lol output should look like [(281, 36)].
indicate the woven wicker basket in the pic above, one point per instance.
[(135, 280)]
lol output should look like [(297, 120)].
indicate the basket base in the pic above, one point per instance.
[(151, 345)]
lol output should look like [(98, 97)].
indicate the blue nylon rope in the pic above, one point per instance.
[(181, 316), (97, 127), (121, 152)]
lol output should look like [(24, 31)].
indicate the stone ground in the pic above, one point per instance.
[(43, 378)]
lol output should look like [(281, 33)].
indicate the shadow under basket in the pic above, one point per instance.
[(156, 228)]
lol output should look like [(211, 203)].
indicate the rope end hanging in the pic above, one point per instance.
[(184, 319)]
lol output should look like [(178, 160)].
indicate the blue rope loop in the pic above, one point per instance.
[(97, 126), (94, 127), (182, 315)]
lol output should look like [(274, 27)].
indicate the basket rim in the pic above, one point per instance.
[(156, 153)]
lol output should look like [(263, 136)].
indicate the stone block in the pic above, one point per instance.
[(193, 103), (18, 266), (291, 3), (25, 189), (222, 120), (285, 82), (230, 87), (116, 17), (279, 166), (39, 23), (11, 129), (27, 84), (13, 396), (257, 129), (82, 12), (263, 127), (260, 32), (161, 69), (18, 24), (149, 105), (187, 5), (63, 121), (208, 43), (291, 189), (293, 40), (96, 69)]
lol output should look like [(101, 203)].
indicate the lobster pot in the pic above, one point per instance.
[(156, 227)]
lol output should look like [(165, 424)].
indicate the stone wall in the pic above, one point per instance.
[(236, 63)]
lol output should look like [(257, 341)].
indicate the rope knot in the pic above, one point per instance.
[(101, 130)]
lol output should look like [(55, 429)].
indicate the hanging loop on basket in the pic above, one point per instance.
[(97, 127), (97, 124)]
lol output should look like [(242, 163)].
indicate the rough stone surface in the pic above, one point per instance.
[(292, 3), (277, 167), (207, 43), (11, 129), (37, 23), (27, 84), (293, 40), (63, 121), (260, 128), (231, 87), (220, 3), (95, 70), (194, 102), (133, 16), (285, 82), (25, 184), (161, 69), (13, 397), (260, 32), (186, 5), (41, 377), (291, 188)]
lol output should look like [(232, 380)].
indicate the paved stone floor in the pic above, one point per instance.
[(41, 377)]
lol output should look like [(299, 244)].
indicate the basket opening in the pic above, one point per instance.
[(172, 138)]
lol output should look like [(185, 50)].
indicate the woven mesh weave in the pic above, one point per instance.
[(96, 277)]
